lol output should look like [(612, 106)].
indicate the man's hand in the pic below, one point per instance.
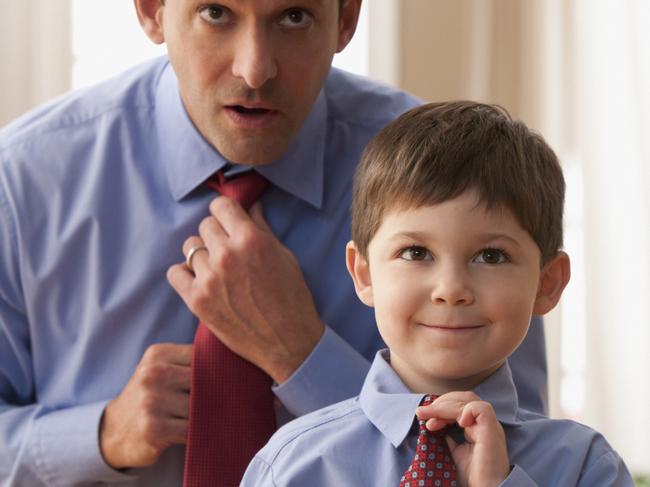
[(150, 414), (249, 290), (483, 459)]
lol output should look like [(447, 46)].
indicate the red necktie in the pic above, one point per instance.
[(231, 402), (432, 464)]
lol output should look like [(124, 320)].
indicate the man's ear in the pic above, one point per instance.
[(553, 279), (150, 15), (360, 272), (348, 19)]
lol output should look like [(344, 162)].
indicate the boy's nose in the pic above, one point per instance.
[(254, 59), (452, 287)]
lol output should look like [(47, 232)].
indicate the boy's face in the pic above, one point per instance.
[(454, 287)]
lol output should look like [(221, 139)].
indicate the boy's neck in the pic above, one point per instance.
[(427, 382)]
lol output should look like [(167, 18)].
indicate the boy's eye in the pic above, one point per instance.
[(491, 256), (415, 253)]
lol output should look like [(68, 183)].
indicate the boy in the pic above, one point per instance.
[(457, 230)]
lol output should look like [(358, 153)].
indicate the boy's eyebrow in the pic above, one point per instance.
[(410, 235), (486, 237), (483, 237)]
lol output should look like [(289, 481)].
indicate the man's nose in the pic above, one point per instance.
[(254, 59), (451, 286)]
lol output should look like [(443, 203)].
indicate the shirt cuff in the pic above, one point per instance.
[(66, 450), (518, 478), (334, 371)]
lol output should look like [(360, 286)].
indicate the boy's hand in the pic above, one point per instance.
[(483, 459)]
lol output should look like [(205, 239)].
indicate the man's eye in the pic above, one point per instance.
[(295, 18), (491, 256), (415, 253), (214, 14)]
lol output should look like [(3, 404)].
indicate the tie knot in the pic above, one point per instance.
[(245, 188), (428, 399)]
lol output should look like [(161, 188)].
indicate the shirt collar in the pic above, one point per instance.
[(390, 405), (189, 159)]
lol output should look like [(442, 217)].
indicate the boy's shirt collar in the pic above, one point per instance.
[(188, 159), (390, 406)]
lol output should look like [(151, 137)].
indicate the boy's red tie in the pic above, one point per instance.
[(432, 464), (231, 401)]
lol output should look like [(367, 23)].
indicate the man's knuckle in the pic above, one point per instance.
[(149, 429), (152, 374), (221, 262), (154, 353), (148, 405), (206, 225)]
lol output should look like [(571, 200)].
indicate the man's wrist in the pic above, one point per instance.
[(283, 369)]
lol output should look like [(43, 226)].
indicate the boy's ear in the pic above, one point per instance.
[(553, 279), (150, 15), (360, 272)]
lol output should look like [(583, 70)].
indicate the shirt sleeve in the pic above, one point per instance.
[(608, 470), (59, 448), (38, 445), (334, 371)]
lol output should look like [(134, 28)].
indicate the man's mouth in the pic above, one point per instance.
[(251, 117), (250, 110)]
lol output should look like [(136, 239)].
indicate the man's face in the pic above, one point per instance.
[(454, 287), (250, 70)]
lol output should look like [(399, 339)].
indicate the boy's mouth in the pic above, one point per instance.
[(452, 328)]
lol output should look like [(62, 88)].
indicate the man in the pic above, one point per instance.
[(99, 191)]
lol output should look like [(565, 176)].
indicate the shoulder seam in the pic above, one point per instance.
[(269, 467), (303, 431), (70, 123)]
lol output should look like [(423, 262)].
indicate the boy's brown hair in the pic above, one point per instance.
[(436, 152)]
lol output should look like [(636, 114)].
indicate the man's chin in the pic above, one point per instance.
[(252, 150), (253, 156)]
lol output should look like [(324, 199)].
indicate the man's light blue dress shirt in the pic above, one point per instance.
[(98, 191), (370, 441)]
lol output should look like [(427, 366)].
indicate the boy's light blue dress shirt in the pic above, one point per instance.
[(370, 441), (98, 191)]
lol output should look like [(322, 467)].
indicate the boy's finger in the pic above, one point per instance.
[(435, 424), (451, 443)]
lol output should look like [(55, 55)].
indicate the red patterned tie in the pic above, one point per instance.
[(432, 465), (231, 401)]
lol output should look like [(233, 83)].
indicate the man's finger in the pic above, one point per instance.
[(177, 405), (169, 354), (192, 242), (196, 254), (180, 278), (230, 214), (257, 216), (175, 431)]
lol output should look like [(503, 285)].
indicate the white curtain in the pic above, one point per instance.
[(35, 54), (613, 136)]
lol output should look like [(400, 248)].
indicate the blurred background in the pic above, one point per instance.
[(577, 71)]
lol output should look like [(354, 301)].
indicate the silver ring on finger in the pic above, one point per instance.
[(190, 255)]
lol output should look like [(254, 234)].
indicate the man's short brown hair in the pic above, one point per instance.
[(436, 152)]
